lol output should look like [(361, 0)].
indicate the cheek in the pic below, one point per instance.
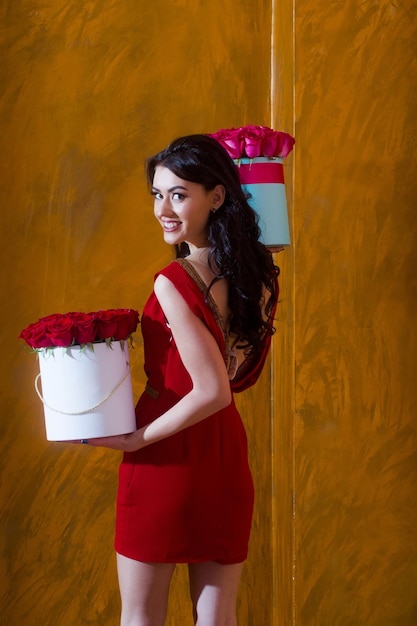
[(204, 211), (202, 224)]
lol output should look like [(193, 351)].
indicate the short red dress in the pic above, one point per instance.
[(187, 498)]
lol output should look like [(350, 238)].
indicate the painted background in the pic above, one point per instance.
[(355, 314), (88, 90)]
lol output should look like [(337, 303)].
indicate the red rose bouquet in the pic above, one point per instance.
[(72, 329), (85, 392), (254, 141)]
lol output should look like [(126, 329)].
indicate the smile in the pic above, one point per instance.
[(170, 226)]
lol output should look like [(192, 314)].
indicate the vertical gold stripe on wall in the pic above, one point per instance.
[(282, 118)]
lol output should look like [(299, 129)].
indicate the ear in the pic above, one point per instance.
[(218, 195)]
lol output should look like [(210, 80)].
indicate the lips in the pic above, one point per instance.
[(170, 225)]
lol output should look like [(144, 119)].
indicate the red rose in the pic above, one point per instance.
[(123, 326), (124, 321), (84, 327), (59, 330), (80, 328), (106, 324), (35, 335), (133, 319)]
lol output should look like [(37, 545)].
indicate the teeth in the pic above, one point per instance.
[(170, 225)]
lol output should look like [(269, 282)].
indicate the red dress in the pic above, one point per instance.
[(187, 498)]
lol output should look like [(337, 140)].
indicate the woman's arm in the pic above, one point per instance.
[(205, 364)]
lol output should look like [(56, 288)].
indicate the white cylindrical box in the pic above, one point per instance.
[(87, 392)]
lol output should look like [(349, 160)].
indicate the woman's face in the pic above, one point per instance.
[(183, 208)]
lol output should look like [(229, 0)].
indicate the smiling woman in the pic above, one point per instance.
[(183, 207), (185, 486)]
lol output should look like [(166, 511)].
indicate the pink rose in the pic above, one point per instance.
[(254, 141), (270, 145), (254, 138), (285, 144), (84, 327), (231, 140)]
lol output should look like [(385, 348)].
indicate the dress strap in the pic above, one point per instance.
[(232, 362)]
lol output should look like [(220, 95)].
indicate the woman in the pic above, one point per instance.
[(185, 488)]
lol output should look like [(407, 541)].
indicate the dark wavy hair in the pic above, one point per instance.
[(233, 233)]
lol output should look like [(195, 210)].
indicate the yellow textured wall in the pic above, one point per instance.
[(89, 89), (355, 227)]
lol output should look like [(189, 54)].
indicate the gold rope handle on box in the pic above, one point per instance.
[(86, 410)]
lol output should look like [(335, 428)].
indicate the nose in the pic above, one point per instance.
[(163, 207)]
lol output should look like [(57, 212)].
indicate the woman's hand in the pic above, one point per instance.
[(126, 443)]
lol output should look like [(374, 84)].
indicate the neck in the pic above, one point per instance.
[(199, 253)]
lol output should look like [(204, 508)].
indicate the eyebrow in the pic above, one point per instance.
[(171, 189)]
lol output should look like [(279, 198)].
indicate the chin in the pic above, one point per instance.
[(172, 241)]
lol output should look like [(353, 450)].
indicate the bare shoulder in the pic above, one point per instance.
[(173, 304), (162, 283), (166, 292)]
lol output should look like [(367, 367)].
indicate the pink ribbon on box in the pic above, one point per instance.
[(252, 173)]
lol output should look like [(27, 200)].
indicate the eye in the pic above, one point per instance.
[(157, 195), (177, 196)]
